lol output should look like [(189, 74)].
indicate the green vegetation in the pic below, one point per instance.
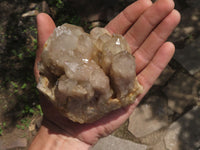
[(39, 110), (32, 110), (24, 123), (65, 13), (18, 77), (18, 50), (2, 126), (1, 131), (59, 4)]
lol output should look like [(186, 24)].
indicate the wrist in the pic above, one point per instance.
[(48, 139)]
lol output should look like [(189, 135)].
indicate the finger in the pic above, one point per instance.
[(147, 22), (122, 22), (45, 26), (148, 76), (157, 37)]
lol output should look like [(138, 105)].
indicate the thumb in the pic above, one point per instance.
[(45, 27)]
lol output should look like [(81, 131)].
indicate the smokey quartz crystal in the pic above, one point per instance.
[(86, 75)]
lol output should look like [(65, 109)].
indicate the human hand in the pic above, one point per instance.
[(146, 27)]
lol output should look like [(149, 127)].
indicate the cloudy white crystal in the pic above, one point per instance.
[(87, 75)]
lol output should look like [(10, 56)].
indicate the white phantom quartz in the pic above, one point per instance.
[(87, 75)]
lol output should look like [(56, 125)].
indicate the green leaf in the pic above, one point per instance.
[(23, 120), (18, 126), (16, 91), (4, 124), (31, 111), (14, 84), (40, 109), (1, 131), (24, 86), (34, 41), (14, 52), (22, 127), (23, 112), (20, 56)]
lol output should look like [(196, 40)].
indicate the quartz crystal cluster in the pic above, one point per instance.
[(86, 75)]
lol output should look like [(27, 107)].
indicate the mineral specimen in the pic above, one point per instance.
[(86, 75)]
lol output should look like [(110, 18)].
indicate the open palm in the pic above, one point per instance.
[(146, 27)]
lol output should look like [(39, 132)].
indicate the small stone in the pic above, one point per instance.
[(30, 13), (195, 18), (96, 24), (114, 143), (94, 17), (32, 5), (31, 127), (188, 30)]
